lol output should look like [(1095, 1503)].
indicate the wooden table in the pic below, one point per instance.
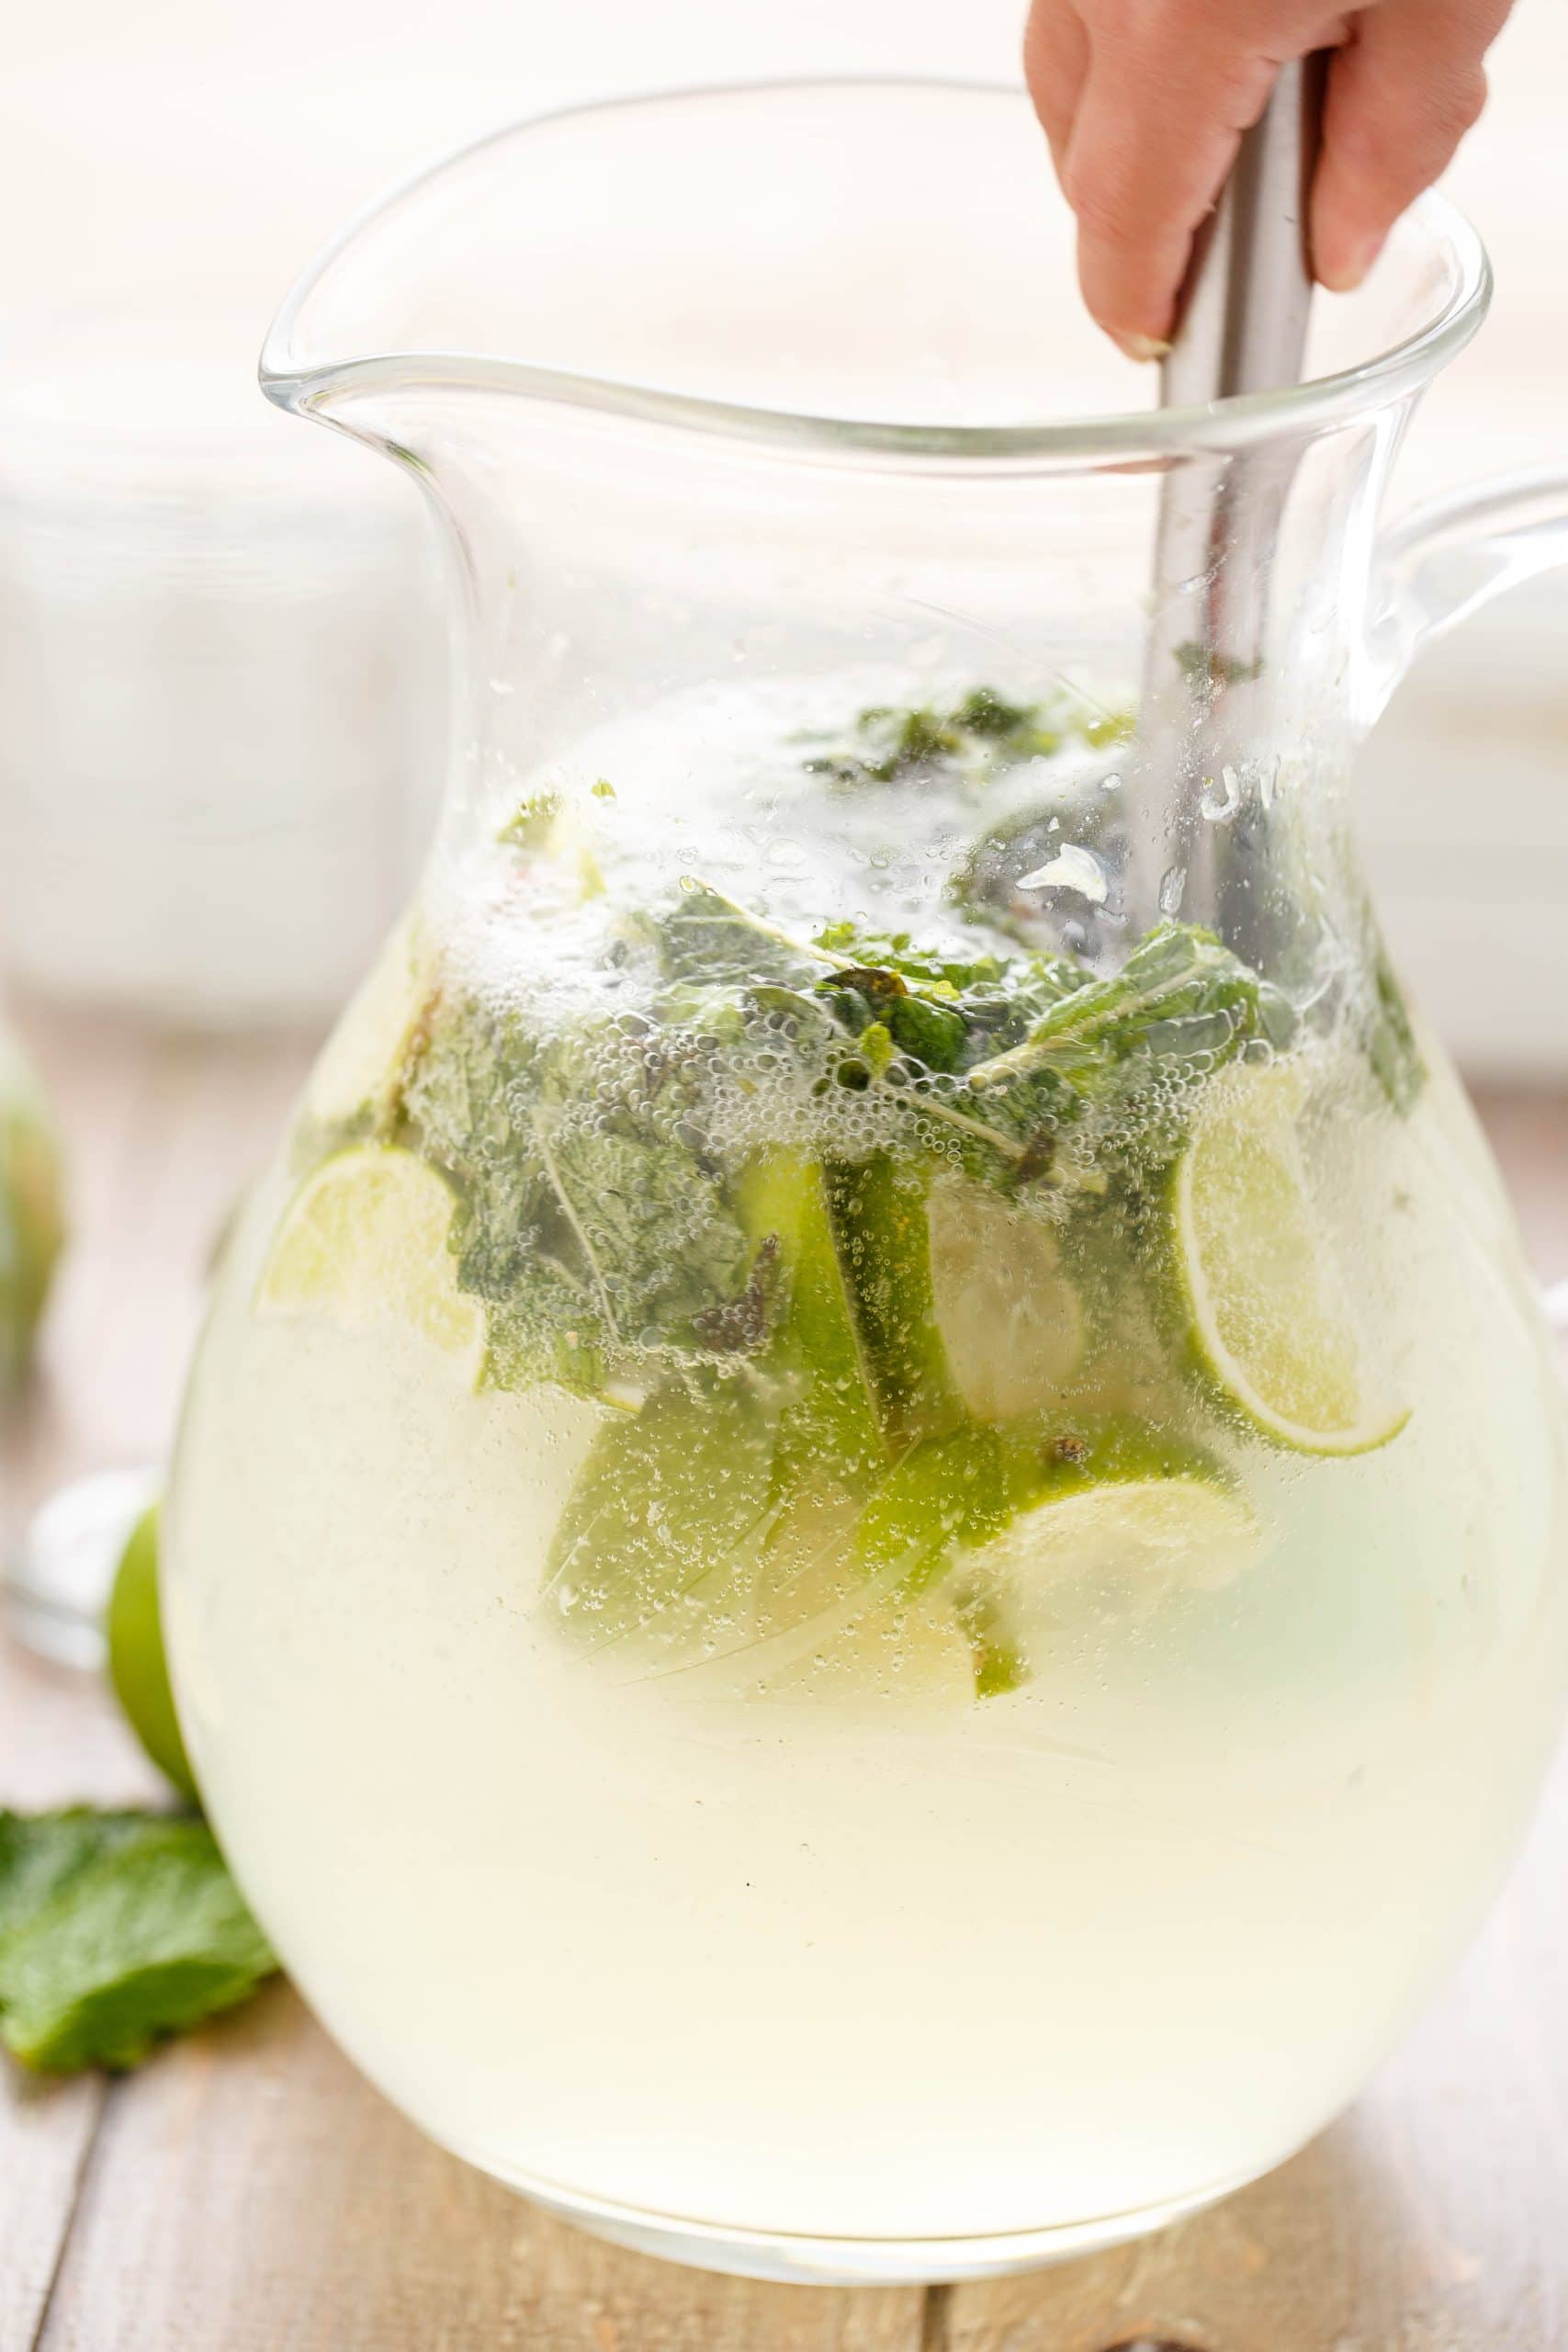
[(247, 2193)]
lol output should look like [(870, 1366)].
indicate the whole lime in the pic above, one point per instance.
[(136, 1666)]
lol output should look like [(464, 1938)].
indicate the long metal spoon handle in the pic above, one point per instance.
[(1242, 317), (1241, 328)]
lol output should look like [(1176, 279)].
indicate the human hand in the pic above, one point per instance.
[(1144, 103)]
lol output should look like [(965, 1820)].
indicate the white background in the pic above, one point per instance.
[(180, 146), (183, 149)]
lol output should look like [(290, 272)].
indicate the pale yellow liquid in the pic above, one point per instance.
[(875, 1971)]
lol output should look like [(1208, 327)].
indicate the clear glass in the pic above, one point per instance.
[(865, 1565)]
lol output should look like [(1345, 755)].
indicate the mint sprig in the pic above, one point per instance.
[(117, 1928)]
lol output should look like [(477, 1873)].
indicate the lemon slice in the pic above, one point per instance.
[(1270, 1310), (364, 1242), (1011, 1321), (362, 1061)]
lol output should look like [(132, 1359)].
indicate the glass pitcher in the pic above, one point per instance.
[(865, 1562)]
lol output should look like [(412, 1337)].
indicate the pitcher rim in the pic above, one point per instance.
[(1314, 406)]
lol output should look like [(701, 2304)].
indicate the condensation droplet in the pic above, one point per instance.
[(1221, 801)]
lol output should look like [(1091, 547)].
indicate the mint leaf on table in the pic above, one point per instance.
[(115, 1929), (39, 1852)]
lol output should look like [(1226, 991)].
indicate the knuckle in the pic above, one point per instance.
[(1454, 104), (1106, 210), (1451, 106), (1242, 89), (1465, 100)]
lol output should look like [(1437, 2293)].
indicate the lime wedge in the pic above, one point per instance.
[(957, 1298), (913, 1658), (719, 1514), (364, 1242), (819, 1350), (134, 1631), (1011, 1321), (654, 1554), (1270, 1314), (878, 1211), (830, 1448), (362, 1064)]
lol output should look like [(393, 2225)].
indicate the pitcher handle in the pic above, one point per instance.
[(1453, 554)]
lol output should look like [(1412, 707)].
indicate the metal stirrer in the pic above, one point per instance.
[(1241, 328)]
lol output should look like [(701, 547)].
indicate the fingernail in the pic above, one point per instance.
[(1142, 347), (1342, 273)]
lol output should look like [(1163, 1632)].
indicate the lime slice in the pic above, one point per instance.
[(998, 1520), (362, 1065), (1270, 1313), (137, 1668), (364, 1242), (1010, 1320), (1138, 1534)]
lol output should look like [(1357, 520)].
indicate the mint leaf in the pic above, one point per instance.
[(116, 1928), (591, 1218), (1180, 998), (1206, 666), (1391, 1042), (706, 937), (897, 951), (39, 1853), (981, 735)]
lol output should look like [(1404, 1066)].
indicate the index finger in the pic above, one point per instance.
[(1157, 130)]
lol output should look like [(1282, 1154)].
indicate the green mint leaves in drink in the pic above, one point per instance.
[(907, 1268)]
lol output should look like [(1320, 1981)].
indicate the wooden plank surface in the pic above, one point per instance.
[(247, 2190)]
